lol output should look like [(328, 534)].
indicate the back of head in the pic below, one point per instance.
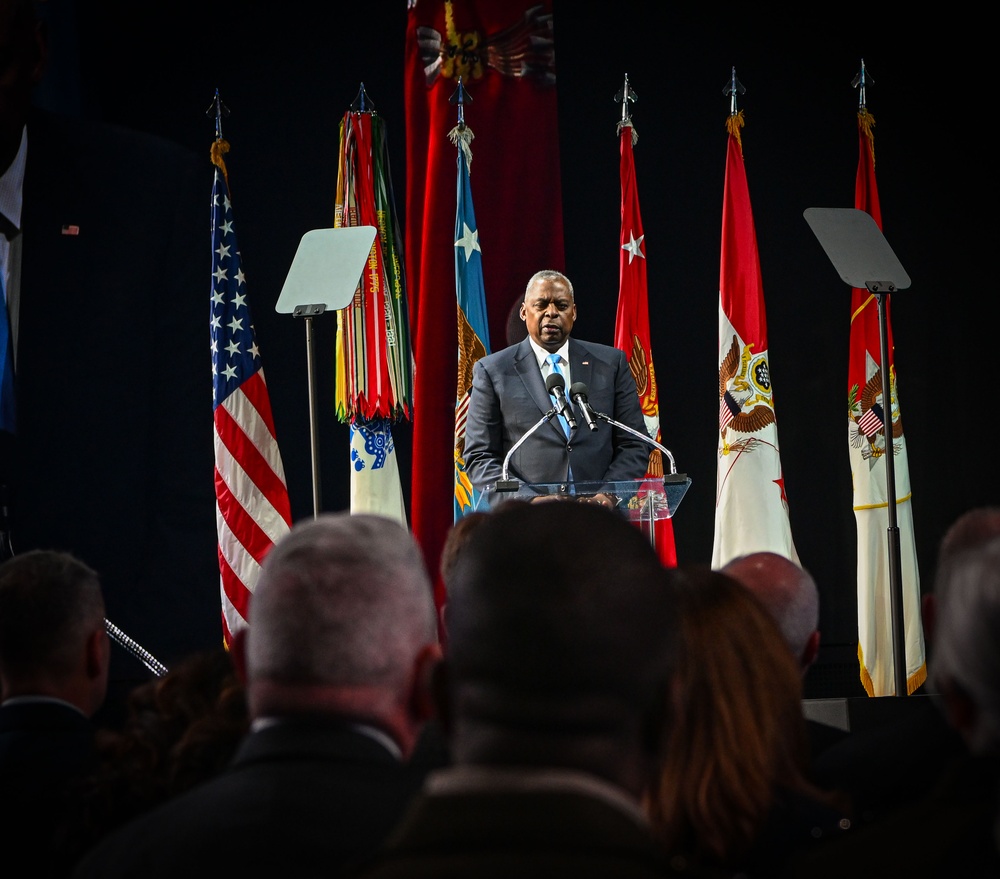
[(558, 618), (51, 603), (344, 600), (787, 590), (737, 730), (972, 528), (965, 666)]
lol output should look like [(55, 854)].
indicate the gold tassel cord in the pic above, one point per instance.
[(219, 148), (866, 122), (733, 125)]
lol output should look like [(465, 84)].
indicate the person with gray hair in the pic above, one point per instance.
[(336, 661), (955, 813), (965, 669), (789, 593), (562, 640), (509, 397), (54, 660)]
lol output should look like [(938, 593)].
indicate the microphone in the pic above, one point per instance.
[(555, 384), (578, 394)]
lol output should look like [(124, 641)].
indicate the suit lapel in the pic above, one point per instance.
[(527, 368), (581, 363)]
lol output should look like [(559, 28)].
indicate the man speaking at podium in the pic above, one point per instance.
[(511, 393)]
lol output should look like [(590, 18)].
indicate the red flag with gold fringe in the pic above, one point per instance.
[(632, 322)]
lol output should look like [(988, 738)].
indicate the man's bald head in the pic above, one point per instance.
[(789, 592)]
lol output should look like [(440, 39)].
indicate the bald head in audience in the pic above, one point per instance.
[(789, 592)]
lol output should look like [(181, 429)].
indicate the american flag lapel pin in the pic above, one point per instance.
[(70, 229)]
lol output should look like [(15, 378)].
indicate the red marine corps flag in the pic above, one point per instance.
[(632, 318), (751, 512)]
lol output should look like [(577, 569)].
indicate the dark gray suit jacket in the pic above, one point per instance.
[(303, 798), (509, 397)]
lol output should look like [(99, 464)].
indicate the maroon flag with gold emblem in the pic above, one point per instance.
[(503, 50)]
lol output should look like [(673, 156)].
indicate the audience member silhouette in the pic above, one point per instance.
[(561, 641), (53, 678), (896, 761), (733, 789), (953, 826), (180, 729), (790, 594), (336, 662)]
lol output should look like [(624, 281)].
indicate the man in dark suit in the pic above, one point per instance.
[(107, 275), (561, 639), (509, 397), (336, 659), (54, 653)]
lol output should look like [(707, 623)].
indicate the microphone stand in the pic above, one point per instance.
[(505, 483), (643, 436)]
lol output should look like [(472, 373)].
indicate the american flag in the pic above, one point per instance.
[(253, 509)]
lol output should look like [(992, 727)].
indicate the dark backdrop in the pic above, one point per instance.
[(288, 72)]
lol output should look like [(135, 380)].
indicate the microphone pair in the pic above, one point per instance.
[(555, 384)]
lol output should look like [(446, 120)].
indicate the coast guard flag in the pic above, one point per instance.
[(751, 510), (473, 330), (252, 509), (867, 401), (632, 323), (374, 365)]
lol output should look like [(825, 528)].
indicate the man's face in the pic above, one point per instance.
[(549, 312), (22, 55)]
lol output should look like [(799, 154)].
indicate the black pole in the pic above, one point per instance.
[(892, 532)]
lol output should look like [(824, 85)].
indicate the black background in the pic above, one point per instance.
[(287, 72)]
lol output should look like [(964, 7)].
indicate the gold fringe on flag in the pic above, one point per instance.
[(866, 122), (733, 125), (219, 148)]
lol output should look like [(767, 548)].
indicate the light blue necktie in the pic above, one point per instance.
[(7, 421), (554, 360)]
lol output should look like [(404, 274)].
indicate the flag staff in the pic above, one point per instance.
[(625, 95), (461, 135), (893, 541), (733, 88), (362, 103), (220, 110), (860, 82), (459, 97)]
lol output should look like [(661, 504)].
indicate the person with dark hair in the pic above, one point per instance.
[(336, 662), (509, 396), (180, 729), (54, 655), (561, 643), (733, 789)]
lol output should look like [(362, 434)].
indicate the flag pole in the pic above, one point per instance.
[(893, 541)]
